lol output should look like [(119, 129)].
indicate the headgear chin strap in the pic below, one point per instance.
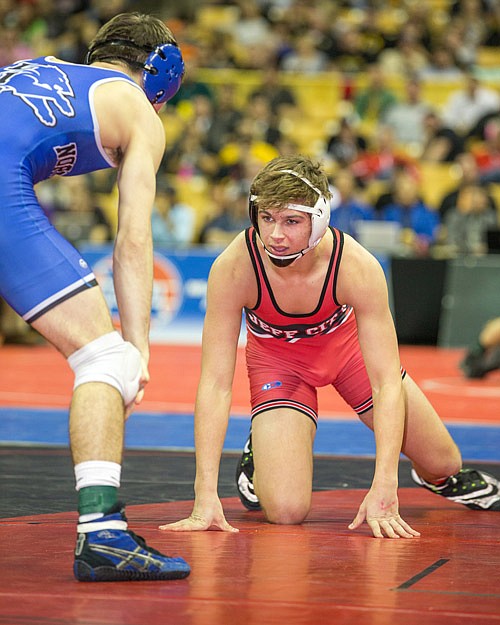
[(320, 218), (162, 72)]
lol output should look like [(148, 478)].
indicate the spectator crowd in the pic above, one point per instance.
[(410, 135)]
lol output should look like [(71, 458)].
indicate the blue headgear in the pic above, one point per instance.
[(162, 72)]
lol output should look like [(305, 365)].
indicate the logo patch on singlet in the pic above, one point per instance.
[(269, 385), (42, 87)]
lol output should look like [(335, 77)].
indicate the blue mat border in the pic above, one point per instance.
[(169, 431)]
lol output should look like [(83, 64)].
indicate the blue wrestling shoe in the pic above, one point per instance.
[(472, 488), (244, 478), (106, 551)]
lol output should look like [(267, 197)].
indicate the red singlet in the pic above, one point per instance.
[(290, 355)]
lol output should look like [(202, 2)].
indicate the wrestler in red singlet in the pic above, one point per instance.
[(284, 377)]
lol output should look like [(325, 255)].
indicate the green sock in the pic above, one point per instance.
[(93, 499)]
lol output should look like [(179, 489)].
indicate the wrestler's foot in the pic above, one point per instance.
[(106, 551), (472, 488), (244, 478)]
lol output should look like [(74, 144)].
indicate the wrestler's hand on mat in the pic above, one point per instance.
[(380, 510), (205, 515)]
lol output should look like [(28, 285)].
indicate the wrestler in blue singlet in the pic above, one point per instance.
[(48, 127)]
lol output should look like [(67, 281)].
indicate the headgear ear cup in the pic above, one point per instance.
[(320, 212), (163, 73)]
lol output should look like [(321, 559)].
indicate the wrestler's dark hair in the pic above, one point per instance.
[(129, 38)]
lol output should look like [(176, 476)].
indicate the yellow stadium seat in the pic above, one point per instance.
[(217, 16), (195, 192), (108, 202), (488, 56), (437, 179), (494, 190)]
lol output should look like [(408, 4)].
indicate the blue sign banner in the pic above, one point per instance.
[(179, 290)]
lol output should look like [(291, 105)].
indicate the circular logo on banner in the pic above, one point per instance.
[(167, 290)]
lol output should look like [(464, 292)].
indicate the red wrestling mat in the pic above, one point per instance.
[(318, 572), (39, 376)]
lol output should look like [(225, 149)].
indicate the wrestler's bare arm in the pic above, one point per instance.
[(228, 291), (362, 284), (227, 294), (132, 129)]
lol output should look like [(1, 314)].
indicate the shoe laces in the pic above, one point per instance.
[(119, 507), (144, 545)]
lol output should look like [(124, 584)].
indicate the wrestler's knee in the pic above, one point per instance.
[(438, 466), (288, 512), (111, 360)]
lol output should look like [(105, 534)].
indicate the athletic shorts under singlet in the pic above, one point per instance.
[(290, 355), (48, 128)]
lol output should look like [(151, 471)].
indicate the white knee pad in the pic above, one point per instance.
[(111, 360)]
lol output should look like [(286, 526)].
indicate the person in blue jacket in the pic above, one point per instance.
[(420, 224)]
